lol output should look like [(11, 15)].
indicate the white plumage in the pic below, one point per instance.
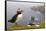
[(19, 18)]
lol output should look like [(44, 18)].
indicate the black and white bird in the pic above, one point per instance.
[(17, 17)]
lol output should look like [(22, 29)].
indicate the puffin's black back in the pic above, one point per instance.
[(13, 18)]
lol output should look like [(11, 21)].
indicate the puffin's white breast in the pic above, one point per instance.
[(19, 17)]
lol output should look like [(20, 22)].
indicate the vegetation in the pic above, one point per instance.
[(22, 27)]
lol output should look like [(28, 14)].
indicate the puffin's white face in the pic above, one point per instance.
[(20, 10)]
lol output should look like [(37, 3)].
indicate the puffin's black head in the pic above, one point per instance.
[(19, 12)]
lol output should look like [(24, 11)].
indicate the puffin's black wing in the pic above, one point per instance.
[(13, 18)]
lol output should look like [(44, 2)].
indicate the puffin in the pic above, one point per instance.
[(17, 17)]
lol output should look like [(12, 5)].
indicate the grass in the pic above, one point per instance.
[(22, 27)]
